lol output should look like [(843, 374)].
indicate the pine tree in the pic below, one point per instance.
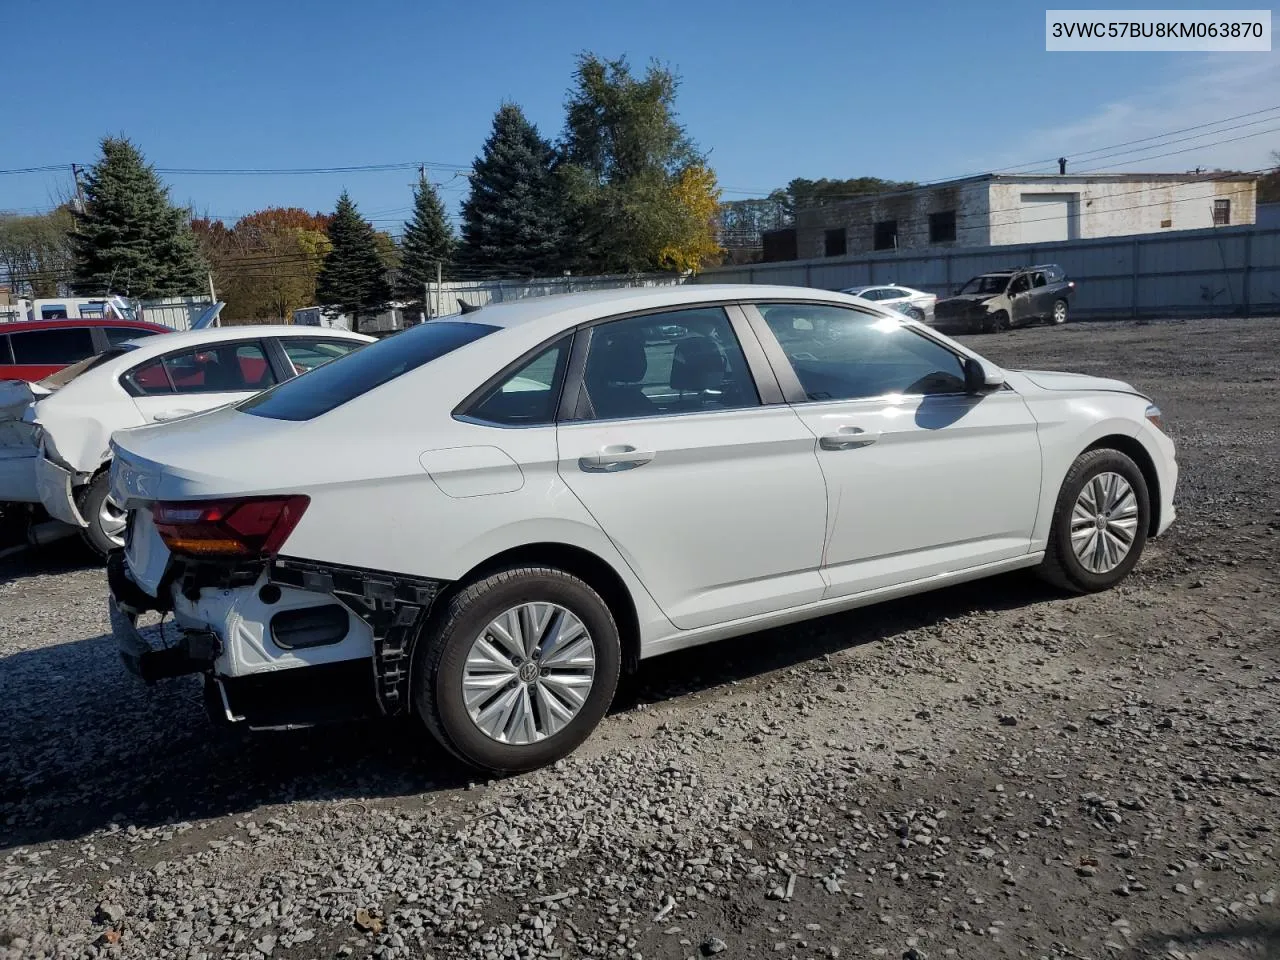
[(428, 240), (353, 278), (512, 221), (130, 238)]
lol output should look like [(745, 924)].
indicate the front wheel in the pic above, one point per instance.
[(518, 669), (997, 322), (1059, 314), (916, 314), (105, 518), (1100, 523)]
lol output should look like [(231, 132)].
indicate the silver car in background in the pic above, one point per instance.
[(916, 304)]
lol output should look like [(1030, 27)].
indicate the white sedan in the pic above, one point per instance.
[(915, 304), (485, 518), (54, 435)]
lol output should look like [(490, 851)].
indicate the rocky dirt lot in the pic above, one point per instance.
[(991, 771)]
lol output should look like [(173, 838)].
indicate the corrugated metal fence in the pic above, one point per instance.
[(176, 312), (1224, 271)]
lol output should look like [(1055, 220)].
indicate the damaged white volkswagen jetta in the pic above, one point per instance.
[(484, 519)]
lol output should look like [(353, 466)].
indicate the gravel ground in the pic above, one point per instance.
[(989, 771)]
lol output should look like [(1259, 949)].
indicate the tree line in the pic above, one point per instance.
[(623, 189)]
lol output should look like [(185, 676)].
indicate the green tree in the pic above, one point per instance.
[(130, 238), (512, 220), (625, 156), (353, 277), (428, 240)]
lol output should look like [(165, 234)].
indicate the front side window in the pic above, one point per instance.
[(986, 285), (634, 370), (307, 354), (220, 368), (529, 396), (336, 383), (52, 346), (1021, 284), (841, 354)]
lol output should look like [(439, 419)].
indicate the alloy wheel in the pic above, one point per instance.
[(1104, 522), (111, 521), (528, 673), (1059, 312)]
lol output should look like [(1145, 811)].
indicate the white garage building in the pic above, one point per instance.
[(997, 209)]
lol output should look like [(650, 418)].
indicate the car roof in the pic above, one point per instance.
[(552, 313), (18, 326), (196, 338)]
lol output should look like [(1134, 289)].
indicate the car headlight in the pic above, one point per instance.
[(1155, 417)]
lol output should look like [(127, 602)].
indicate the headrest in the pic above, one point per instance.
[(697, 365), (617, 358)]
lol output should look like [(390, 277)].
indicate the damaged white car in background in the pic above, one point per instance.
[(55, 435)]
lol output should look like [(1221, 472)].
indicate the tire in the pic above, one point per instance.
[(915, 313), (997, 322), (100, 534), (1062, 566), (1058, 316), (441, 662)]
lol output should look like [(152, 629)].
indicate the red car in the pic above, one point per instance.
[(33, 349)]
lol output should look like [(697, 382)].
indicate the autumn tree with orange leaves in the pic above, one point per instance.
[(265, 265)]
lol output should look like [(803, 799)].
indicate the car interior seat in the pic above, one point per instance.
[(616, 367)]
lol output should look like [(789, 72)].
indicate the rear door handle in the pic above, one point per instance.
[(848, 438), (614, 458)]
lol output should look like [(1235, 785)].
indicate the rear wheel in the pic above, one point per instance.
[(1059, 315), (1100, 523), (518, 669), (105, 518)]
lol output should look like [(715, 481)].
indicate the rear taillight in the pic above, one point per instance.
[(243, 527)]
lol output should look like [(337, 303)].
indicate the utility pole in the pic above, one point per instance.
[(439, 286), (426, 301), (75, 175)]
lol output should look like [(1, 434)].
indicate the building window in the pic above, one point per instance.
[(942, 227), (836, 243), (886, 235), (1221, 213)]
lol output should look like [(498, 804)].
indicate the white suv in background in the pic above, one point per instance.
[(484, 518)]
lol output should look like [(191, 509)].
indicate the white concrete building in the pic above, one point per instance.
[(995, 209)]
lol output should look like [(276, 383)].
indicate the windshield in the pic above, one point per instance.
[(986, 284), (338, 381), (67, 374)]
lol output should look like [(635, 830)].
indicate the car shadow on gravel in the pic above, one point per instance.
[(84, 745), (741, 658), (61, 556), (1260, 938)]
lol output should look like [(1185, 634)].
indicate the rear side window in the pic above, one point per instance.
[(220, 368), (529, 396), (335, 383), (52, 346), (6, 355)]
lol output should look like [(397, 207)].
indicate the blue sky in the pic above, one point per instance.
[(771, 90)]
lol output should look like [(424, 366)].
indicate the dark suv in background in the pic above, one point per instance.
[(1007, 298)]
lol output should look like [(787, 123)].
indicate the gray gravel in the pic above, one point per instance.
[(991, 771)]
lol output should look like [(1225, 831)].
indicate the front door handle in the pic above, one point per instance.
[(848, 438), (614, 458)]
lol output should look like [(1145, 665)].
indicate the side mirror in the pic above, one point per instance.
[(980, 378)]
